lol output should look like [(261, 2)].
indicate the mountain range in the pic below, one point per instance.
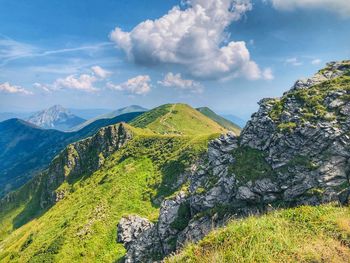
[(173, 184), (26, 149)]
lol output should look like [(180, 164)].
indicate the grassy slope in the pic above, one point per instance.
[(220, 120), (82, 227), (304, 234), (177, 119)]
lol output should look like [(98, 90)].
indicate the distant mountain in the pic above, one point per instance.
[(110, 115), (237, 120), (177, 119), (89, 113), (11, 115), (55, 117), (26, 148), (220, 120)]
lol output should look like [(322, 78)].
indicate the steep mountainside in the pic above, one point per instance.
[(26, 149), (55, 117), (70, 212), (111, 115), (294, 151), (179, 119), (220, 120)]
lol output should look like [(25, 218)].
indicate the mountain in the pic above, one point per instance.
[(55, 117), (166, 179), (178, 119), (13, 115), (26, 149), (237, 120), (295, 151), (110, 115), (220, 120), (88, 113)]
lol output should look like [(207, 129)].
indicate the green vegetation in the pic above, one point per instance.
[(287, 126), (82, 226), (250, 164), (220, 120), (179, 119), (304, 234)]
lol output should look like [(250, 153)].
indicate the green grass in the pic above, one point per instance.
[(82, 226), (179, 119), (304, 234), (220, 120)]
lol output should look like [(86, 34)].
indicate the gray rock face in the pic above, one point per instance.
[(309, 165)]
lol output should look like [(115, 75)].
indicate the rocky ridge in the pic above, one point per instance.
[(294, 150)]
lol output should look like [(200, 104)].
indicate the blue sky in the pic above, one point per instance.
[(102, 54)]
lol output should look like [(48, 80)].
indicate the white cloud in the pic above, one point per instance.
[(11, 89), (139, 85), (316, 61), (268, 74), (100, 72), (176, 81), (83, 82), (294, 62), (341, 7), (194, 38)]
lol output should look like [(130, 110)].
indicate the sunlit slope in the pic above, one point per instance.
[(82, 226), (304, 234), (178, 119)]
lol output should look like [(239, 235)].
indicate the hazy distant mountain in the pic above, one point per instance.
[(237, 120), (110, 115), (10, 115), (88, 114), (55, 117)]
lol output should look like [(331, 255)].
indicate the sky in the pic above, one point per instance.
[(224, 54)]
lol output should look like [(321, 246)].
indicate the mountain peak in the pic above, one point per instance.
[(55, 117)]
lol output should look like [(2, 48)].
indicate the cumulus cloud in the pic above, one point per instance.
[(100, 72), (83, 82), (341, 7), (316, 61), (12, 89), (176, 81), (294, 62), (193, 37), (268, 74), (139, 85)]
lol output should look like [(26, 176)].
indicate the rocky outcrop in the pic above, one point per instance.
[(283, 158), (82, 157)]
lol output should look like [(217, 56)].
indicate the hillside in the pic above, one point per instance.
[(55, 117), (178, 119), (220, 120), (293, 152), (110, 115), (76, 208), (26, 149), (304, 234)]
